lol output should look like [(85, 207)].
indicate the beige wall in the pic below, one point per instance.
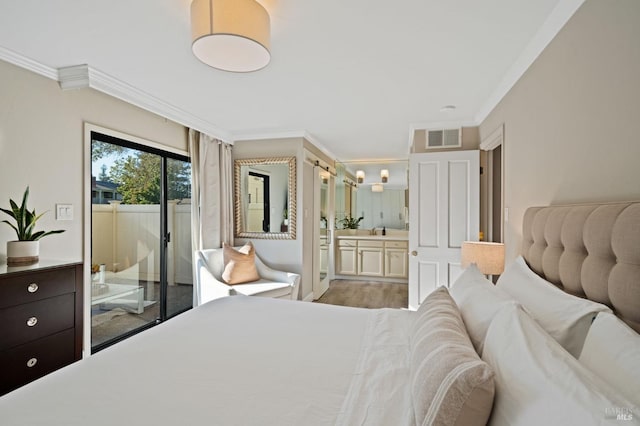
[(572, 122), (286, 255), (289, 255), (42, 145)]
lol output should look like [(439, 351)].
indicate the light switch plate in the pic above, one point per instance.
[(64, 211)]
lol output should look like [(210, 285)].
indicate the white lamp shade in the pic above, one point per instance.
[(360, 176), (377, 187), (384, 175), (230, 35), (489, 257)]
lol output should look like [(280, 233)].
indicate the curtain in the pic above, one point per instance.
[(212, 194)]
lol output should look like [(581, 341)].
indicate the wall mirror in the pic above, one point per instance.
[(381, 197), (265, 198)]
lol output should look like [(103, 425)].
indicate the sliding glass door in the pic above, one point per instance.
[(141, 238)]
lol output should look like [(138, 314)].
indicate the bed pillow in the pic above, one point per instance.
[(240, 264), (539, 383), (478, 300), (450, 384), (612, 351), (565, 317)]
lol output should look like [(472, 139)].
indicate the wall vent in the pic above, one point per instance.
[(444, 138)]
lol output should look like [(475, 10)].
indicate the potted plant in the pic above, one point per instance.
[(26, 249), (349, 222)]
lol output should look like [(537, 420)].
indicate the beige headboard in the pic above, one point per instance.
[(589, 250)]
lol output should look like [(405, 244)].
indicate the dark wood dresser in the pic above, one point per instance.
[(40, 320)]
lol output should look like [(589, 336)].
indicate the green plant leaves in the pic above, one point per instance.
[(350, 222), (25, 220)]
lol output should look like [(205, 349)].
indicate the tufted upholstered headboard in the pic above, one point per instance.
[(589, 250)]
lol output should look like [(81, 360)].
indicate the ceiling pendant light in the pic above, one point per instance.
[(230, 35)]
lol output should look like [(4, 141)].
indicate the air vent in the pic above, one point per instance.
[(445, 138)]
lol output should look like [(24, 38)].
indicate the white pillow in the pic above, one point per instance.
[(565, 317), (478, 301), (540, 383), (612, 351)]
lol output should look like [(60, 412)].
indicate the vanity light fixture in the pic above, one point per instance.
[(377, 187), (231, 35), (384, 175), (360, 176)]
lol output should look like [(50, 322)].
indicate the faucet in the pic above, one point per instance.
[(373, 231)]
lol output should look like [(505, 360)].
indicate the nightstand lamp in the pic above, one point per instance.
[(488, 257)]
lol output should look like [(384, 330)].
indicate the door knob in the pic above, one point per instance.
[(414, 253)]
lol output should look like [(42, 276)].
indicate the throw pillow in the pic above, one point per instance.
[(240, 264)]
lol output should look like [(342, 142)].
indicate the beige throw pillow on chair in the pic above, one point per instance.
[(239, 265)]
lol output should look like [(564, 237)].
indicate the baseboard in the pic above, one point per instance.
[(376, 279)]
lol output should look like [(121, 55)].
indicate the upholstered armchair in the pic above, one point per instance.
[(210, 285)]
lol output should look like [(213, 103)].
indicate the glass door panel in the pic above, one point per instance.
[(140, 238), (179, 269), (125, 240)]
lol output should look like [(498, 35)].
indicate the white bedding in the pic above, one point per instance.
[(235, 361)]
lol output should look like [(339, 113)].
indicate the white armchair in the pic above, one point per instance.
[(209, 283)]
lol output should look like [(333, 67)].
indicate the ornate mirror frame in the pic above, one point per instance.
[(290, 234)]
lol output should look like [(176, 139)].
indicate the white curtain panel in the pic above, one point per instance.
[(212, 194)]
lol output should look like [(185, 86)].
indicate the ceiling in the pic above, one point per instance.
[(353, 76)]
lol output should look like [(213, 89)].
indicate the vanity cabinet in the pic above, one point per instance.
[(41, 317), (396, 259), (347, 257), (371, 256)]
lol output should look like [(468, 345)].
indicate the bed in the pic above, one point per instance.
[(255, 361)]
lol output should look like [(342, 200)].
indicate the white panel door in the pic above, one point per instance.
[(444, 211)]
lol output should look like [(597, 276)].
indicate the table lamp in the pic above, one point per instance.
[(488, 257)]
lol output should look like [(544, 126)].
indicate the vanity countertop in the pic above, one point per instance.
[(374, 237)]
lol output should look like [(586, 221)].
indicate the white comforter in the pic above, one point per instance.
[(235, 361)]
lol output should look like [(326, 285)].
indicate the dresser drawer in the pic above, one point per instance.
[(30, 321), (25, 363), (24, 288), (347, 243)]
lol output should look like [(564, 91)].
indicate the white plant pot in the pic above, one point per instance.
[(22, 252)]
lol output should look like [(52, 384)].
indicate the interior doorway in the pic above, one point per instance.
[(493, 146)]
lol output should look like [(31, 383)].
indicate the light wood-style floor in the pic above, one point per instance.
[(366, 294)]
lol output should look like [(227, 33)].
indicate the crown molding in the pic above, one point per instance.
[(549, 29), (75, 77), (85, 76), (112, 86), (28, 64)]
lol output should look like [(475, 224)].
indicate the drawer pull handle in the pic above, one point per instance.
[(32, 362), (32, 288), (32, 321)]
